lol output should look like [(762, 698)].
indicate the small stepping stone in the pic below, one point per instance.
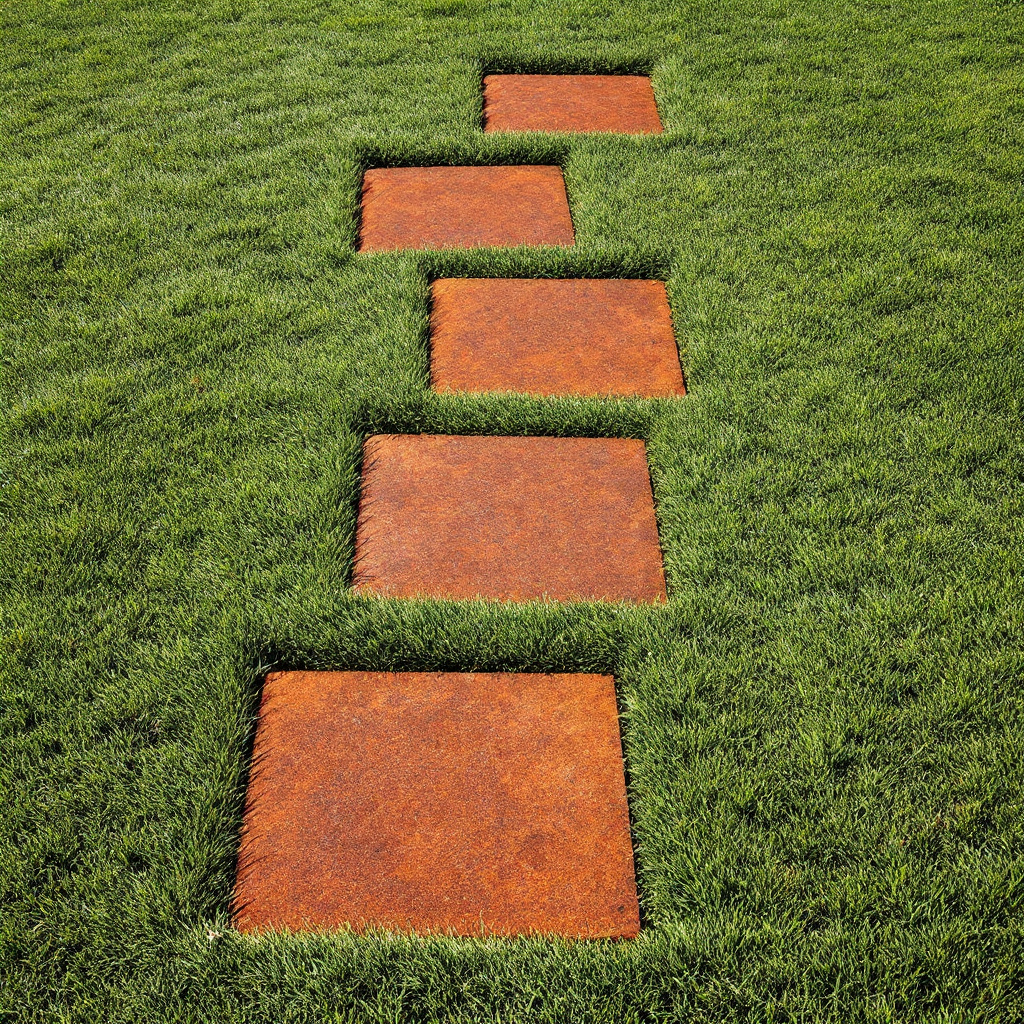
[(438, 802), (570, 337), (464, 208), (507, 518), (570, 103)]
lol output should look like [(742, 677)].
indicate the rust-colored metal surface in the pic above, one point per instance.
[(570, 103), (507, 518), (464, 208), (436, 802), (549, 337)]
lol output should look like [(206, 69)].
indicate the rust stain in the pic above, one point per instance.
[(570, 103), (554, 337), (438, 802), (507, 518), (464, 207)]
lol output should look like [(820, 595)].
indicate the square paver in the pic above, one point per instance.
[(438, 802), (507, 518), (570, 103), (551, 337), (464, 208)]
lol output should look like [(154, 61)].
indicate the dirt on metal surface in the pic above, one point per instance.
[(554, 337), (570, 103), (436, 802), (507, 518), (464, 207)]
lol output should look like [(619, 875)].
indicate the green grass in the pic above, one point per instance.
[(824, 728)]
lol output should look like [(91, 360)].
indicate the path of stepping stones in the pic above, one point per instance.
[(472, 803)]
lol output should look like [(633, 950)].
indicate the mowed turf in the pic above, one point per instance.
[(822, 728)]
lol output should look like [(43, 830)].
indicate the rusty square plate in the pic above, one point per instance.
[(553, 337), (507, 518), (438, 802), (464, 208), (570, 103)]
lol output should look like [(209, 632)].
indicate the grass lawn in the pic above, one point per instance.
[(824, 727)]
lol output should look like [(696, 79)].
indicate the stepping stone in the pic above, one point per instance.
[(438, 802), (464, 208), (572, 337), (570, 103), (507, 518)]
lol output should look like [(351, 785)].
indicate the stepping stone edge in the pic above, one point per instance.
[(570, 103), (507, 519), (464, 208), (597, 337), (460, 803)]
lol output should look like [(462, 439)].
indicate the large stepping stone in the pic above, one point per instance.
[(464, 208), (570, 103), (568, 337), (438, 802), (507, 518)]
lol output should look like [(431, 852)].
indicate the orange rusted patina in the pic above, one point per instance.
[(548, 337), (507, 518), (438, 802), (570, 103), (464, 208)]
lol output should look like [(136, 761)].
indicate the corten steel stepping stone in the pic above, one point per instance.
[(570, 103), (464, 208), (436, 802), (507, 518), (569, 337)]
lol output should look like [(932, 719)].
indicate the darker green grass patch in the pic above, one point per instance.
[(510, 60)]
